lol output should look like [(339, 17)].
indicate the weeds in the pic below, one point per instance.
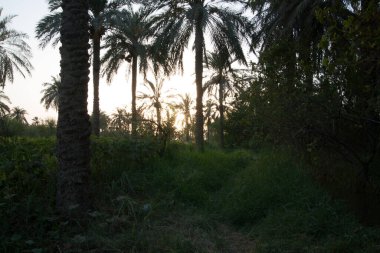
[(185, 201)]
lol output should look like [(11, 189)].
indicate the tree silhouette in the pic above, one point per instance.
[(120, 120), (102, 17), (184, 106), (19, 114), (50, 93), (210, 115), (14, 52), (4, 108), (221, 81), (73, 129), (175, 24), (155, 97), (128, 42)]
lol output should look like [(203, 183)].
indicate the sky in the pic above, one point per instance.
[(26, 92)]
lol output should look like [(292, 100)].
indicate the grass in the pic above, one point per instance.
[(186, 201)]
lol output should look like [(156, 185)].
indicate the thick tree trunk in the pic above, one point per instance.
[(199, 43), (73, 130), (134, 83), (96, 73), (221, 112)]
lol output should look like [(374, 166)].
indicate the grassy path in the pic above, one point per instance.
[(185, 202)]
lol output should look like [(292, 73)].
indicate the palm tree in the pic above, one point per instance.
[(4, 108), (128, 42), (104, 121), (176, 23), (210, 116), (14, 52), (120, 120), (50, 93), (154, 96), (296, 22), (19, 114), (221, 81), (73, 129), (35, 121), (51, 123), (102, 16), (185, 107)]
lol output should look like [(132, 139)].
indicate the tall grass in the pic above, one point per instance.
[(185, 201)]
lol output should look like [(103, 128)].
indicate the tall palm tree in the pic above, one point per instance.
[(102, 17), (14, 52), (4, 108), (185, 107), (73, 129), (128, 42), (176, 23), (50, 93), (154, 96), (19, 114), (221, 80)]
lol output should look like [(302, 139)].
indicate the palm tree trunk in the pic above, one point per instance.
[(208, 130), (134, 82), (158, 111), (96, 72), (198, 81), (187, 130), (221, 112), (73, 130)]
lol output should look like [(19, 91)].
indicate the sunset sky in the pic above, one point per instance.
[(26, 93)]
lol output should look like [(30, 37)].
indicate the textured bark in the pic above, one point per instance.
[(198, 81), (134, 82), (221, 112), (73, 130), (95, 72)]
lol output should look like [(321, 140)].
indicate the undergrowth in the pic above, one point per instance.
[(185, 201)]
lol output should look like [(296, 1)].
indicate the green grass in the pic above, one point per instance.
[(185, 201)]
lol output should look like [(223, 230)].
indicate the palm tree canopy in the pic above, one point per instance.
[(185, 104), (19, 114), (50, 93), (175, 25), (120, 119), (101, 13), (128, 39), (219, 63), (277, 18), (4, 108), (14, 52), (154, 94)]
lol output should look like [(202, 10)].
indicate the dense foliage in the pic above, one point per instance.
[(183, 202), (315, 86)]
